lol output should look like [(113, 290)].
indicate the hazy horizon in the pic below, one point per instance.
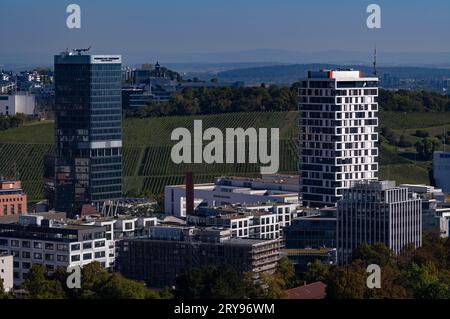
[(208, 31)]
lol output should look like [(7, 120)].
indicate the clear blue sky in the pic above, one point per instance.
[(137, 27)]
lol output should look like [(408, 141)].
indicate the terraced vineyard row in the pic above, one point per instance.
[(147, 164)]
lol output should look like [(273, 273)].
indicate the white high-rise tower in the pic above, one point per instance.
[(338, 120)]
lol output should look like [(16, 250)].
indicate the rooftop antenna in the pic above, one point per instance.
[(375, 72)]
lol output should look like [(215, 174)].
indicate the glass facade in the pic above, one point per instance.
[(88, 119)]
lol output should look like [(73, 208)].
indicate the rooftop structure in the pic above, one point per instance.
[(234, 190)]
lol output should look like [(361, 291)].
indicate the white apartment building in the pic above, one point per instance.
[(441, 170), (119, 228), (338, 120), (6, 271), (53, 244), (243, 224), (17, 103), (234, 190)]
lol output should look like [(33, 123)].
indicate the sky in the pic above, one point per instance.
[(170, 28)]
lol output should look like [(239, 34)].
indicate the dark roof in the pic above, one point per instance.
[(316, 290)]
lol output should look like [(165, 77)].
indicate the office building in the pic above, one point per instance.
[(169, 252), (338, 117), (441, 170), (378, 212), (6, 271), (51, 242), (310, 238), (13, 201), (226, 191), (88, 120), (14, 104)]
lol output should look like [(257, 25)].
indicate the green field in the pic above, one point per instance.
[(147, 145)]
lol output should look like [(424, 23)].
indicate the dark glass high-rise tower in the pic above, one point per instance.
[(88, 120)]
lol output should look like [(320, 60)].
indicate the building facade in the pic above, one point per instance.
[(52, 244), (17, 103), (441, 170), (13, 201), (6, 271), (88, 120), (338, 117), (169, 252), (378, 212)]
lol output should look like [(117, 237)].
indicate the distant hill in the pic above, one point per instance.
[(288, 74)]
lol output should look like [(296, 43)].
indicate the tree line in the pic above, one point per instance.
[(195, 101), (209, 282), (422, 273)]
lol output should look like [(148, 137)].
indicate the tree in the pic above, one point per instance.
[(347, 282), (39, 286), (377, 253), (118, 287), (211, 282), (426, 148), (286, 270), (3, 294), (317, 271)]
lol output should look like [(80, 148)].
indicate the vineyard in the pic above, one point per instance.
[(147, 165)]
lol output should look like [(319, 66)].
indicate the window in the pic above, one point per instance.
[(75, 258), (15, 243), (75, 247), (62, 247), (100, 244), (62, 258), (49, 257), (37, 245), (87, 256), (26, 244), (128, 226), (49, 246), (26, 254), (37, 256), (4, 242), (26, 265), (87, 245), (100, 254), (87, 237)]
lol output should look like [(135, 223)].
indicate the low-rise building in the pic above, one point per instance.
[(168, 252), (6, 271), (53, 243), (311, 237), (13, 201), (234, 190), (17, 103)]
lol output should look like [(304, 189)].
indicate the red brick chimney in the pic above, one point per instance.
[(189, 193)]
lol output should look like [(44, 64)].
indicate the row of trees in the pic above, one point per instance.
[(7, 122), (192, 101), (96, 283), (413, 101), (223, 282), (210, 282), (422, 273)]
